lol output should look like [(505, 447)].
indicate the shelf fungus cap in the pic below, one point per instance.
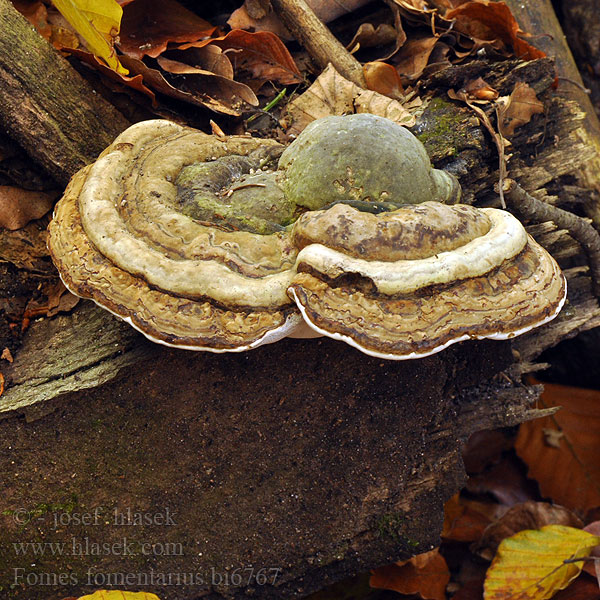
[(409, 283), (119, 237), (225, 243)]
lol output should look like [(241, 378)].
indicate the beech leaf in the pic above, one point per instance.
[(98, 23), (19, 206), (118, 595), (569, 474), (518, 109), (531, 565), (332, 94), (426, 575)]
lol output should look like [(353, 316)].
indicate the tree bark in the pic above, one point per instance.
[(46, 105)]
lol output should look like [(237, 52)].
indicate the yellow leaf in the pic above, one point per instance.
[(530, 565), (98, 22), (117, 595)]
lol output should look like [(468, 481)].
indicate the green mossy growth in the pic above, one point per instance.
[(442, 129)]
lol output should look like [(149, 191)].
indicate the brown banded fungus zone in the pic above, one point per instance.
[(227, 243)]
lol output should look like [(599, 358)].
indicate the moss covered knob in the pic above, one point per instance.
[(361, 157)]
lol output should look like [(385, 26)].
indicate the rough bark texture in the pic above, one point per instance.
[(306, 456), (46, 105)]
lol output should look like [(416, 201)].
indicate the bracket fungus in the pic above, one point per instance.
[(226, 243)]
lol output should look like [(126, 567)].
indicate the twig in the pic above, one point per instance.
[(578, 228), (320, 43)]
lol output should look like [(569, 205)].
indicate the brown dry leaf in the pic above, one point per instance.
[(505, 481), (6, 355), (531, 565), (518, 109), (593, 568), (1, 384), (326, 10), (221, 88), (490, 21), (426, 575), (54, 298), (583, 588), (19, 206), (413, 57), (383, 78), (528, 515), (37, 14), (148, 26), (135, 82), (26, 248), (208, 90), (465, 520), (570, 474), (119, 595), (262, 53), (479, 89), (208, 58), (368, 36), (332, 94)]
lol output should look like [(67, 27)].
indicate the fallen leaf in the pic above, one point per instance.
[(118, 595), (217, 86), (386, 37), (413, 57), (383, 78), (6, 355), (201, 88), (487, 20), (54, 298), (505, 481), (570, 474), (465, 520), (148, 26), (326, 10), (485, 448), (19, 206), (37, 14), (98, 22), (582, 588), (479, 89), (518, 109), (261, 53), (332, 94), (593, 568), (426, 575), (528, 515), (531, 564), (26, 248), (1, 384)]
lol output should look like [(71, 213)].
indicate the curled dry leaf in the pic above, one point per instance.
[(528, 515), (383, 78), (148, 26), (98, 23), (517, 109), (211, 91), (593, 568), (465, 520), (262, 53), (426, 575), (490, 21), (531, 564), (19, 206), (332, 94), (119, 595), (414, 56), (570, 474), (6, 355), (326, 10), (26, 248), (479, 89)]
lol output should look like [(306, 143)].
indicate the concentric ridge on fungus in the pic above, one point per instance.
[(394, 280)]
